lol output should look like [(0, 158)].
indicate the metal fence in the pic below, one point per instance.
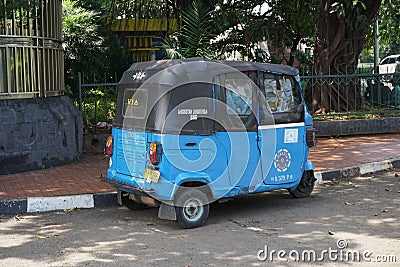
[(31, 54), (361, 95), (97, 98)]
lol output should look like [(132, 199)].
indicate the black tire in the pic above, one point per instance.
[(305, 187), (132, 204), (192, 208)]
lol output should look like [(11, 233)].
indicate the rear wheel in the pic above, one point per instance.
[(132, 204), (192, 208), (305, 187)]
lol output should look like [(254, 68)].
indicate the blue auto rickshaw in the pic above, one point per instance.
[(189, 132)]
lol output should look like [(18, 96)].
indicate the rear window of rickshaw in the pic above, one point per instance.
[(135, 103)]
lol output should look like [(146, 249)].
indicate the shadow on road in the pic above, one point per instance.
[(363, 212)]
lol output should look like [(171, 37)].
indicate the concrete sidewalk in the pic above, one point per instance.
[(78, 184)]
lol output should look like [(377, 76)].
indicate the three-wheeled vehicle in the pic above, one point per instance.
[(189, 132)]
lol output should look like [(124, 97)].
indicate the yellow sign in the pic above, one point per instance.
[(151, 175)]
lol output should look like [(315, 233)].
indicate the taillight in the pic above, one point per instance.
[(155, 153), (109, 146)]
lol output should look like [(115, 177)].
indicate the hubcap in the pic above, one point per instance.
[(192, 209)]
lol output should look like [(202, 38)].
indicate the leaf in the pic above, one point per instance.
[(18, 217), (151, 223), (45, 236), (69, 210), (195, 34)]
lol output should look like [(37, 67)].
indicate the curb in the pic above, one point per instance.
[(100, 200), (355, 171), (42, 204)]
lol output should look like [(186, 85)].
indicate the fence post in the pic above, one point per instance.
[(80, 90)]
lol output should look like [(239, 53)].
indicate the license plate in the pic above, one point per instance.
[(151, 175)]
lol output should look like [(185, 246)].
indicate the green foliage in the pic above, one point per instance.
[(82, 42), (99, 105), (240, 29), (7, 8), (82, 39), (195, 33), (172, 47), (389, 29), (88, 46), (354, 13), (292, 23), (194, 37), (283, 23), (342, 8), (137, 8)]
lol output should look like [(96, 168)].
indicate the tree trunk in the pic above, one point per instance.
[(339, 42)]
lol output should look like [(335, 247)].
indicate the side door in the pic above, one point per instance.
[(236, 131), (282, 139)]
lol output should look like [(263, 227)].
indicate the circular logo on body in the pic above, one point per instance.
[(282, 160)]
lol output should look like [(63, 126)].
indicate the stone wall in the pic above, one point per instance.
[(357, 127), (38, 133)]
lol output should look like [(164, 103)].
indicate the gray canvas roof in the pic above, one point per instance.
[(157, 81), (152, 67)]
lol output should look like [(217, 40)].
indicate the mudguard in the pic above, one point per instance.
[(309, 166), (167, 211)]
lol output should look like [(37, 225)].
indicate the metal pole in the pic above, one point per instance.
[(376, 47)]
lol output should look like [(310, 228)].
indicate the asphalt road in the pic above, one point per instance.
[(339, 223)]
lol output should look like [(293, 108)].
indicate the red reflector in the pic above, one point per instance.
[(153, 157), (109, 146)]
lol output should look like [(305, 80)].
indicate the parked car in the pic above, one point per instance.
[(390, 64)]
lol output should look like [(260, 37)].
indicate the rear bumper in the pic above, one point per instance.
[(163, 190), (127, 188)]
